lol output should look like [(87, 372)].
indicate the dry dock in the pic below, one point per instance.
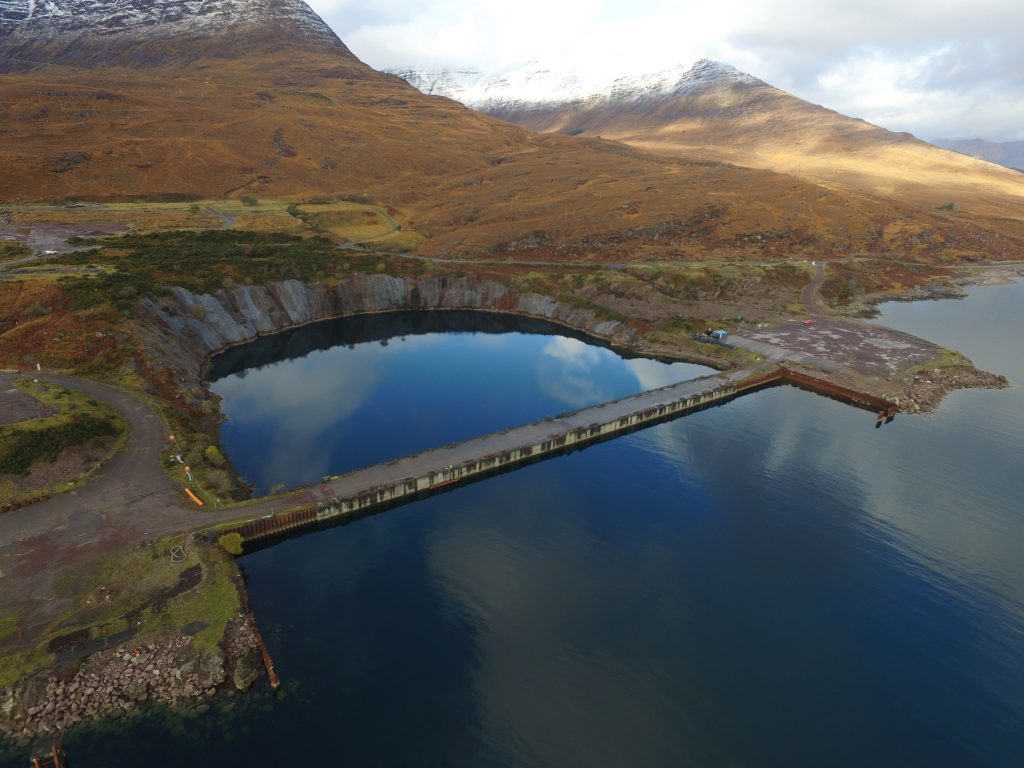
[(403, 479)]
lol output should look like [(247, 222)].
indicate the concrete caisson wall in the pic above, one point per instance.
[(360, 491)]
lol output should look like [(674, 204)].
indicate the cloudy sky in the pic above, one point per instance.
[(936, 68)]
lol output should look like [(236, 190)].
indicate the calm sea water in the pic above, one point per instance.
[(768, 583)]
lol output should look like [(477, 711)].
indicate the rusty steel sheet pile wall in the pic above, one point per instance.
[(844, 394)]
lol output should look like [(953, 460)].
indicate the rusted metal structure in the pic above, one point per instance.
[(784, 375), (51, 757), (268, 662)]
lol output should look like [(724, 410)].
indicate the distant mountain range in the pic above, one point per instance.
[(713, 111), (534, 87), (1008, 153)]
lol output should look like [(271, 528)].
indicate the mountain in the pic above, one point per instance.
[(97, 33), (107, 98), (1006, 153), (712, 111), (199, 99), (535, 88)]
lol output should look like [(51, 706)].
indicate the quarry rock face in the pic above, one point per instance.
[(186, 329)]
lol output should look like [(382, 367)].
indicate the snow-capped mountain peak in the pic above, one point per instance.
[(535, 86), (92, 32), (116, 17)]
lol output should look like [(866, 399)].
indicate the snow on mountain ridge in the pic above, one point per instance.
[(151, 18), (534, 86)]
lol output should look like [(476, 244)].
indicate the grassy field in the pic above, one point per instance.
[(342, 221)]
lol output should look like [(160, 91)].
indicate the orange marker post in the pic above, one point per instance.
[(194, 498)]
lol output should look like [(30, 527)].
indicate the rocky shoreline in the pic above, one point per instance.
[(116, 681), (986, 274), (929, 387)]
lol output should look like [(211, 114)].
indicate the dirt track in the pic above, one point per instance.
[(809, 295), (130, 499)]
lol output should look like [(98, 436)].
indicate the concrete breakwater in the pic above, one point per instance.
[(184, 330), (406, 478)]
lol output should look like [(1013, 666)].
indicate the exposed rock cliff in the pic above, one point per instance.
[(183, 331)]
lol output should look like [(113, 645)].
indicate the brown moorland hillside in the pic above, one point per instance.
[(719, 113), (234, 111), (314, 123)]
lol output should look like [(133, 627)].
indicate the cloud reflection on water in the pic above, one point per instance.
[(566, 372), (332, 410), (302, 400)]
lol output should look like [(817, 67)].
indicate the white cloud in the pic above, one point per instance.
[(935, 69)]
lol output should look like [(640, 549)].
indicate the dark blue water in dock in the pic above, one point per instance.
[(392, 385), (768, 583)]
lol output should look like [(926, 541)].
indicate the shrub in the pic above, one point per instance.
[(37, 310), (213, 455), (199, 261), (231, 543), (12, 250), (249, 200)]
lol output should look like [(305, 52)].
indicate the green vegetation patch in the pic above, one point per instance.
[(141, 265), (351, 220), (946, 358), (215, 601), (27, 446), (11, 250), (78, 419), (8, 627), (14, 666)]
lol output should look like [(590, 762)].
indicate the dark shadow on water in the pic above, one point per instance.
[(361, 329)]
